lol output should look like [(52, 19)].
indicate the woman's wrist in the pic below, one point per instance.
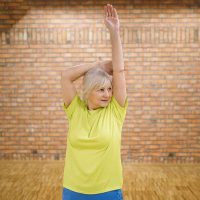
[(115, 32), (114, 35), (94, 64)]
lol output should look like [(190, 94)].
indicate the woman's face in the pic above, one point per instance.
[(99, 97)]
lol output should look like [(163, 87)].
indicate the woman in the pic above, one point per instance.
[(93, 169)]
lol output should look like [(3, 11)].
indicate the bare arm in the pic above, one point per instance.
[(73, 73), (119, 81), (69, 76)]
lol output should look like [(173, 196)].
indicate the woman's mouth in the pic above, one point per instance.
[(104, 100)]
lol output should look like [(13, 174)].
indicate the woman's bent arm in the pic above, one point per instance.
[(69, 76), (77, 71)]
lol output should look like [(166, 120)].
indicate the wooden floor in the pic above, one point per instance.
[(42, 180)]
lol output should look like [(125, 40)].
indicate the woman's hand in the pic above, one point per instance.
[(111, 18), (106, 66)]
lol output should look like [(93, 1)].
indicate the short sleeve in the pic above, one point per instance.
[(118, 110), (70, 109)]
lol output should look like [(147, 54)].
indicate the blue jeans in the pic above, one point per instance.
[(111, 195)]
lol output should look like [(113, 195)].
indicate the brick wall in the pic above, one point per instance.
[(161, 42)]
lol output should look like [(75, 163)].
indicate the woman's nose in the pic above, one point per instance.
[(106, 93)]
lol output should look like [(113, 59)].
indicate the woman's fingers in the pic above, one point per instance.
[(110, 11), (115, 13), (105, 11)]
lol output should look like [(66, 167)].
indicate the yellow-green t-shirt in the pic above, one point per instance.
[(93, 158)]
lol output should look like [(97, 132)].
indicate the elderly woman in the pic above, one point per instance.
[(93, 169)]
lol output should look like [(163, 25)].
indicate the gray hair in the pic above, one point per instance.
[(94, 78)]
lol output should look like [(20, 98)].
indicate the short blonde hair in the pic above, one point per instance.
[(94, 78)]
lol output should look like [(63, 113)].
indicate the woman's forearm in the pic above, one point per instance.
[(77, 71), (117, 53)]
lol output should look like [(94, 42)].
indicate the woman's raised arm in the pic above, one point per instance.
[(111, 21)]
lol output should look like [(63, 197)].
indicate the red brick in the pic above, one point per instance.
[(161, 52)]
